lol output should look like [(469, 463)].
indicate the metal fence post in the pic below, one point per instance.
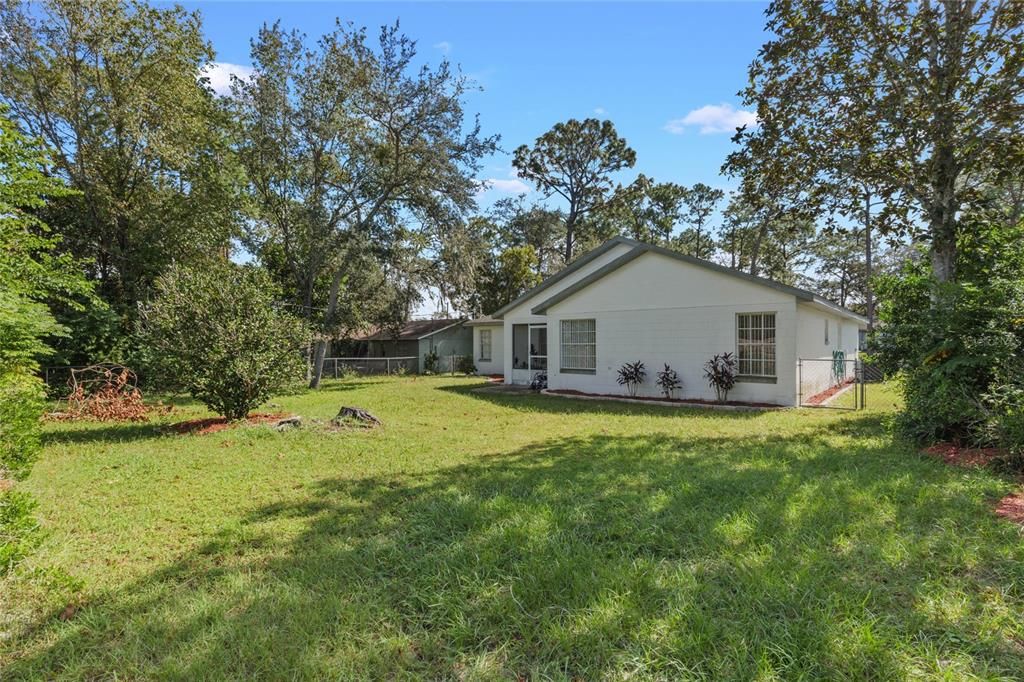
[(800, 382)]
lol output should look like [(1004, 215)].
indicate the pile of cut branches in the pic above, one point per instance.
[(106, 392)]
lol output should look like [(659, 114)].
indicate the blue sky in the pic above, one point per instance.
[(666, 73)]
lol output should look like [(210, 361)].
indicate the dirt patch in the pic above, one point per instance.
[(822, 397), (680, 401), (215, 424), (1012, 507), (950, 453)]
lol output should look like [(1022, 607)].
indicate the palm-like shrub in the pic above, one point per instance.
[(720, 372), (669, 381), (215, 331), (632, 375)]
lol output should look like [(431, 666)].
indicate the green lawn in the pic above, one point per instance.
[(480, 536)]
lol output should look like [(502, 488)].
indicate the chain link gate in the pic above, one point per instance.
[(835, 383)]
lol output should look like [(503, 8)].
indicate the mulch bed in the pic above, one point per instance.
[(1010, 507), (820, 398), (215, 424), (681, 401), (956, 455)]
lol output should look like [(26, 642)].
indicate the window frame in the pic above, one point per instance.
[(563, 344), (490, 345), (763, 357)]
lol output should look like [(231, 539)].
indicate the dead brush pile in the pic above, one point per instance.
[(105, 393)]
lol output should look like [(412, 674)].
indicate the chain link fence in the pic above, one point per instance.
[(837, 383), (340, 367)]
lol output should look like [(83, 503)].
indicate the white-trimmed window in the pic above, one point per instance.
[(755, 344), (485, 344), (579, 346)]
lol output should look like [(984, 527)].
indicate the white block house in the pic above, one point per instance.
[(627, 301)]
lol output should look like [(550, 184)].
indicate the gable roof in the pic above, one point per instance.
[(413, 330), (563, 273), (640, 248)]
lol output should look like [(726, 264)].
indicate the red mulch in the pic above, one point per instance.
[(215, 424), (819, 398), (1012, 507), (681, 401), (951, 453)]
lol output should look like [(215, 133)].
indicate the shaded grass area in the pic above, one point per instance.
[(483, 536)]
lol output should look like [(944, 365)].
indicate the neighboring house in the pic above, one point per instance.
[(417, 338), (488, 346), (626, 301)]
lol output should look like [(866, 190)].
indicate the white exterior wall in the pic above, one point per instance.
[(657, 309), (521, 313), (843, 335), (496, 364)]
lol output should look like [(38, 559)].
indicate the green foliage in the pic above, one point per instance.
[(511, 274), (631, 375), (19, 530), (465, 365), (668, 381), (700, 202), (214, 330), (431, 362), (918, 103), (22, 401), (575, 160), (353, 148), (958, 345), (32, 278), (516, 223), (720, 371), (111, 86)]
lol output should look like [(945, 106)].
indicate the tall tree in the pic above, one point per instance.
[(369, 145), (700, 203), (932, 92), (113, 88), (575, 160), (517, 223), (645, 210), (840, 269), (508, 275)]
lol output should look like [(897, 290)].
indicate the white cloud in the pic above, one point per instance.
[(505, 186), (600, 111), (444, 46), (220, 74), (713, 118)]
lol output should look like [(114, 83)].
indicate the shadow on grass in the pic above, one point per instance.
[(535, 402), (115, 432), (600, 557)]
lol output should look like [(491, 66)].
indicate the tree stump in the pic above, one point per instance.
[(357, 413)]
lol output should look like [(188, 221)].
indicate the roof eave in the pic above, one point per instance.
[(438, 331), (563, 273)]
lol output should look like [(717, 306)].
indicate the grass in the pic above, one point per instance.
[(481, 536)]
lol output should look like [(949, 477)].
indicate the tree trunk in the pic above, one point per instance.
[(869, 293), (321, 345), (570, 229), (755, 250)]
